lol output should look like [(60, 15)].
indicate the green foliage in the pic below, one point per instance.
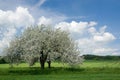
[(2, 60)]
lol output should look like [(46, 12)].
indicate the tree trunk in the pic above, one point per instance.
[(42, 60), (42, 63), (49, 64)]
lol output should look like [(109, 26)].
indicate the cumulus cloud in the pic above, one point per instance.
[(7, 36), (92, 41), (101, 35), (92, 23), (105, 37), (11, 21), (19, 17), (89, 46), (45, 21), (50, 20), (92, 30), (75, 27)]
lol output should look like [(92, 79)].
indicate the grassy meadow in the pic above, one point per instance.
[(89, 70)]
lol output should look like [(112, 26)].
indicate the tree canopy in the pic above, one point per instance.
[(42, 43)]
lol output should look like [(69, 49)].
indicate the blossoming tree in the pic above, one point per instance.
[(42, 43)]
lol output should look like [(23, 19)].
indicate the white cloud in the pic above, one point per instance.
[(116, 53), (10, 32), (18, 18), (86, 45), (11, 21), (89, 46), (90, 41), (50, 20), (92, 30), (7, 36), (45, 21), (105, 37), (104, 51), (92, 23), (101, 35), (76, 27)]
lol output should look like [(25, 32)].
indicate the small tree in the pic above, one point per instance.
[(44, 44)]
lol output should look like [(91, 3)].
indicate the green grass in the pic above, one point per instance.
[(101, 64), (64, 77), (89, 70)]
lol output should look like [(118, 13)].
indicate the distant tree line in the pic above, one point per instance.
[(96, 57)]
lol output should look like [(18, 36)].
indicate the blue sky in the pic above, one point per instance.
[(93, 24), (103, 11)]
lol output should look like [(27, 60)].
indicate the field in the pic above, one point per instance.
[(89, 70)]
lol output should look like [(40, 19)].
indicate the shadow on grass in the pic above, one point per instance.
[(38, 71), (56, 70)]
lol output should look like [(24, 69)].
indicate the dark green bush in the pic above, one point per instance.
[(2, 60)]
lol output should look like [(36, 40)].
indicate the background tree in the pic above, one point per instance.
[(44, 44)]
